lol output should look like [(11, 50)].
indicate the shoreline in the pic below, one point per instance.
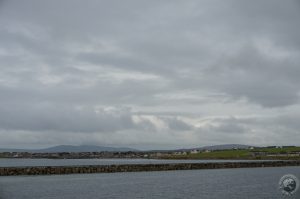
[(85, 169)]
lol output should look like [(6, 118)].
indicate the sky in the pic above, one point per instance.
[(146, 74)]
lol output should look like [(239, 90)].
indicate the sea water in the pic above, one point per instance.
[(256, 183)]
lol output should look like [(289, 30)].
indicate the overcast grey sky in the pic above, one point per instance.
[(149, 74)]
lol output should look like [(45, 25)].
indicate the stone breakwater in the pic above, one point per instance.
[(56, 170)]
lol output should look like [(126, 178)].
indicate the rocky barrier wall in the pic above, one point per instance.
[(56, 170)]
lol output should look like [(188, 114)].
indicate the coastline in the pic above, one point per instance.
[(60, 170)]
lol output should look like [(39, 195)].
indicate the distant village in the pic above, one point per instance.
[(255, 153)]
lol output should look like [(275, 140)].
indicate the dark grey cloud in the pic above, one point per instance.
[(49, 117), (261, 79), (179, 125), (149, 73)]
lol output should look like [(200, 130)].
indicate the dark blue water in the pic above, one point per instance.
[(67, 162), (256, 183)]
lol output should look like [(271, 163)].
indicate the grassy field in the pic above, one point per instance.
[(239, 154), (226, 154), (279, 150)]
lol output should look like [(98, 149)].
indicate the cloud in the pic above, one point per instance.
[(268, 80), (149, 73)]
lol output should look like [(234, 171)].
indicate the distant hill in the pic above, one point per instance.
[(225, 146), (71, 148), (219, 147), (93, 148)]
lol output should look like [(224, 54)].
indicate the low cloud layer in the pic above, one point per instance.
[(149, 74)]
